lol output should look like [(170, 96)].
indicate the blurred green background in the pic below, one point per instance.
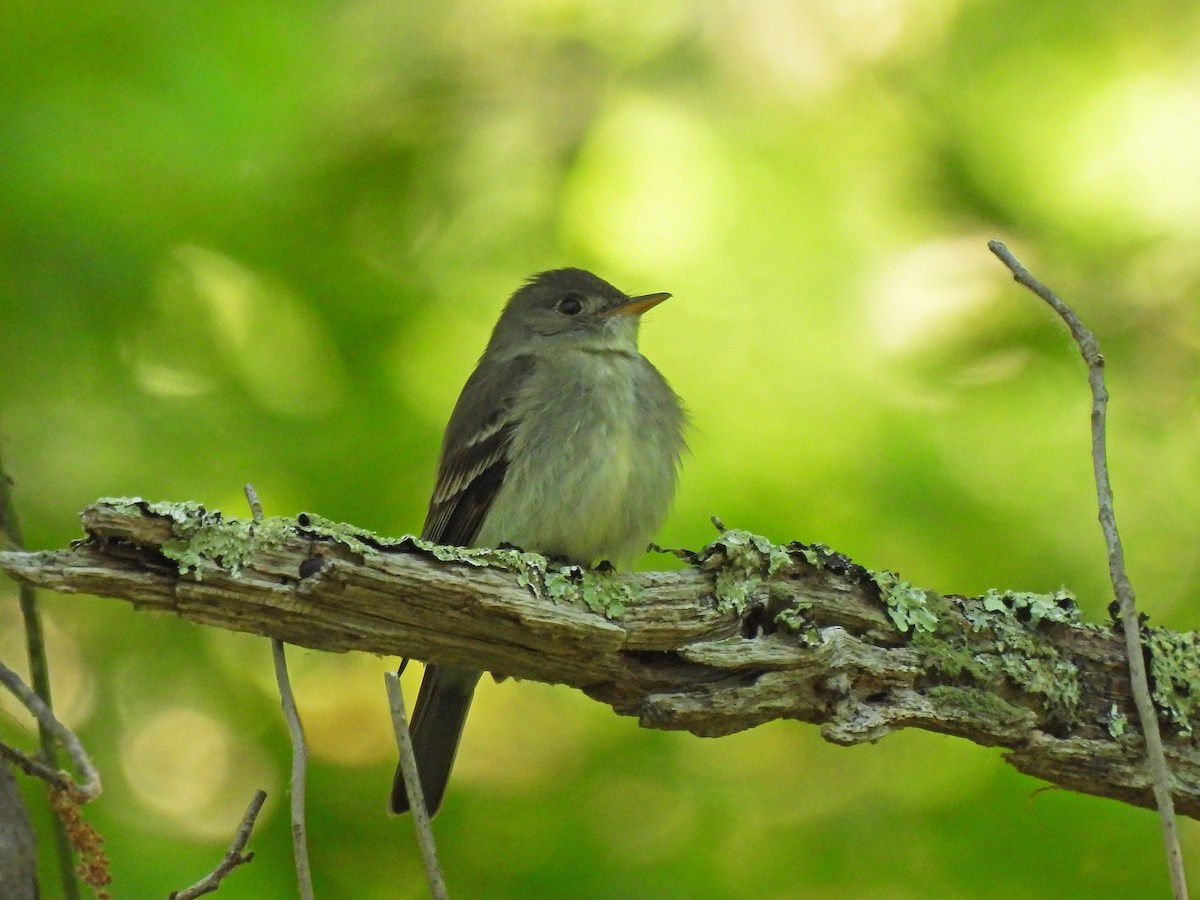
[(266, 241)]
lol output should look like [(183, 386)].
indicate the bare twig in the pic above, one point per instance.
[(412, 787), (296, 735), (90, 789), (256, 510), (1156, 759), (299, 767), (39, 670), (34, 767), (233, 858)]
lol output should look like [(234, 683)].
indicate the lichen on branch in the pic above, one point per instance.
[(749, 631)]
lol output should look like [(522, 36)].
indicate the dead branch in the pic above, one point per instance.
[(748, 632), (235, 856), (412, 786)]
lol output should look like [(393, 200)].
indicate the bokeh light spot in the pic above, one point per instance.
[(190, 768), (650, 188), (216, 316)]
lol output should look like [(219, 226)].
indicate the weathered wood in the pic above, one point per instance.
[(18, 845), (746, 633)]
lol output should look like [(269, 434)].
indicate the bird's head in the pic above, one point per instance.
[(573, 308)]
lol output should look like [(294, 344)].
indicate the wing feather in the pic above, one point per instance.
[(475, 456)]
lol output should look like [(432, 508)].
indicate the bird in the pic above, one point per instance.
[(565, 441)]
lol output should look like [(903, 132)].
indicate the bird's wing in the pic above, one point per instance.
[(475, 452)]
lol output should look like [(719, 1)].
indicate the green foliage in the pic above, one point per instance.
[(266, 242)]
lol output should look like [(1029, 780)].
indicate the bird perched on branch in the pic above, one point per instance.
[(565, 441)]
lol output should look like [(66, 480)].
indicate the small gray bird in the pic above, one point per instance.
[(565, 441)]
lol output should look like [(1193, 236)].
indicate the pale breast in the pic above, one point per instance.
[(593, 461)]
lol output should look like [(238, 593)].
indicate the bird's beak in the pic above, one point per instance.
[(635, 306)]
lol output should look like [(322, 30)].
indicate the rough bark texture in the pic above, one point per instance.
[(748, 632), (18, 855)]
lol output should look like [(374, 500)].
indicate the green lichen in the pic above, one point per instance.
[(795, 617), (816, 554), (951, 656), (976, 703), (1029, 659), (199, 536), (1117, 722), (1042, 672), (910, 608), (746, 561), (796, 621), (356, 540), (601, 591), (181, 513), (1175, 670), (1058, 607), (1008, 648)]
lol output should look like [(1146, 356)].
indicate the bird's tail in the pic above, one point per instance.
[(437, 726)]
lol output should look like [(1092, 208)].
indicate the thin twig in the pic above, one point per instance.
[(296, 734), (90, 789), (1089, 348), (233, 858), (39, 670), (33, 766), (299, 766), (256, 510), (412, 787)]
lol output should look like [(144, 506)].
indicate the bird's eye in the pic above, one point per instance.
[(570, 305)]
